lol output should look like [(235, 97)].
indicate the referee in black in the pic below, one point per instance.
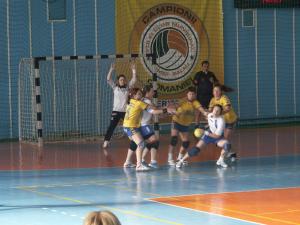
[(204, 80)]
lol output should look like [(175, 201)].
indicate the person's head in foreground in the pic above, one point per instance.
[(101, 218)]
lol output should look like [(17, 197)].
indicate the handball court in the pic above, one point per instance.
[(61, 182)]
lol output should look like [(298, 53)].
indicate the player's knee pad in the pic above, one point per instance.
[(155, 145), (132, 146), (185, 144), (194, 151), (142, 144), (227, 147), (174, 140)]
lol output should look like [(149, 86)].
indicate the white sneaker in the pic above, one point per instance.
[(153, 165), (221, 162), (129, 165), (232, 156), (142, 168), (179, 164), (144, 163), (185, 163), (171, 162)]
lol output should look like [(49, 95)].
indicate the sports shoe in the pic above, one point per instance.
[(179, 164), (129, 165), (185, 163), (232, 156), (171, 162), (141, 168), (221, 162), (153, 165), (144, 163)]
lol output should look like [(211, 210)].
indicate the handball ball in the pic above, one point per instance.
[(198, 132)]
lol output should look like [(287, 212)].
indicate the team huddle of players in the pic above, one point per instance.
[(135, 107)]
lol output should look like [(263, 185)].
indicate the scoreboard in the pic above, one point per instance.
[(250, 4)]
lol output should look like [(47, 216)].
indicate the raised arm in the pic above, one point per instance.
[(133, 78), (109, 75)]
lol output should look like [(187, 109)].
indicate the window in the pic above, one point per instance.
[(248, 18), (56, 10)]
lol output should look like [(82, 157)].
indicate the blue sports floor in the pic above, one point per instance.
[(61, 183), (66, 196)]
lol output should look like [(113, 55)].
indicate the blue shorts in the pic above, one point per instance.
[(130, 131), (146, 131), (210, 140), (179, 127)]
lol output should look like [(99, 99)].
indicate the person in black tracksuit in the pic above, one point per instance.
[(204, 80)]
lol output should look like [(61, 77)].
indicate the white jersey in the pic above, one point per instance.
[(216, 124), (120, 96), (146, 118)]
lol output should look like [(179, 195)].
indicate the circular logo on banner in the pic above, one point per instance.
[(175, 45), (176, 37)]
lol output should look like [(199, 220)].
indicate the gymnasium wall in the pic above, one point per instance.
[(26, 32), (261, 63)]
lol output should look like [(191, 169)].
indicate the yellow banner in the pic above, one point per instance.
[(181, 35)]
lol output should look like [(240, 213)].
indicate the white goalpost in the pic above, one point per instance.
[(67, 98)]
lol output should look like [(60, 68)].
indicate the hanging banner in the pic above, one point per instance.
[(180, 34)]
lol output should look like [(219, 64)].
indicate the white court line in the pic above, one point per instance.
[(227, 192), (210, 213), (61, 212)]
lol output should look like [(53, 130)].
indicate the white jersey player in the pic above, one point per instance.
[(120, 90), (214, 135)]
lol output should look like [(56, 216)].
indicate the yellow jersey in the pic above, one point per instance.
[(185, 113), (230, 117), (134, 112)]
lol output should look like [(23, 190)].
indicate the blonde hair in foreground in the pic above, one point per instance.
[(101, 218)]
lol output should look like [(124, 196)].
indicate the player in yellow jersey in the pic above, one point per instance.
[(132, 122), (183, 118), (229, 114)]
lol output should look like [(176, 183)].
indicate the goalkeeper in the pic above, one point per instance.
[(120, 90)]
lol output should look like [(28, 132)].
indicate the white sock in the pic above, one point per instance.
[(170, 156), (153, 161)]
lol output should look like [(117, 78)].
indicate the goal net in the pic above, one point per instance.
[(75, 99)]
